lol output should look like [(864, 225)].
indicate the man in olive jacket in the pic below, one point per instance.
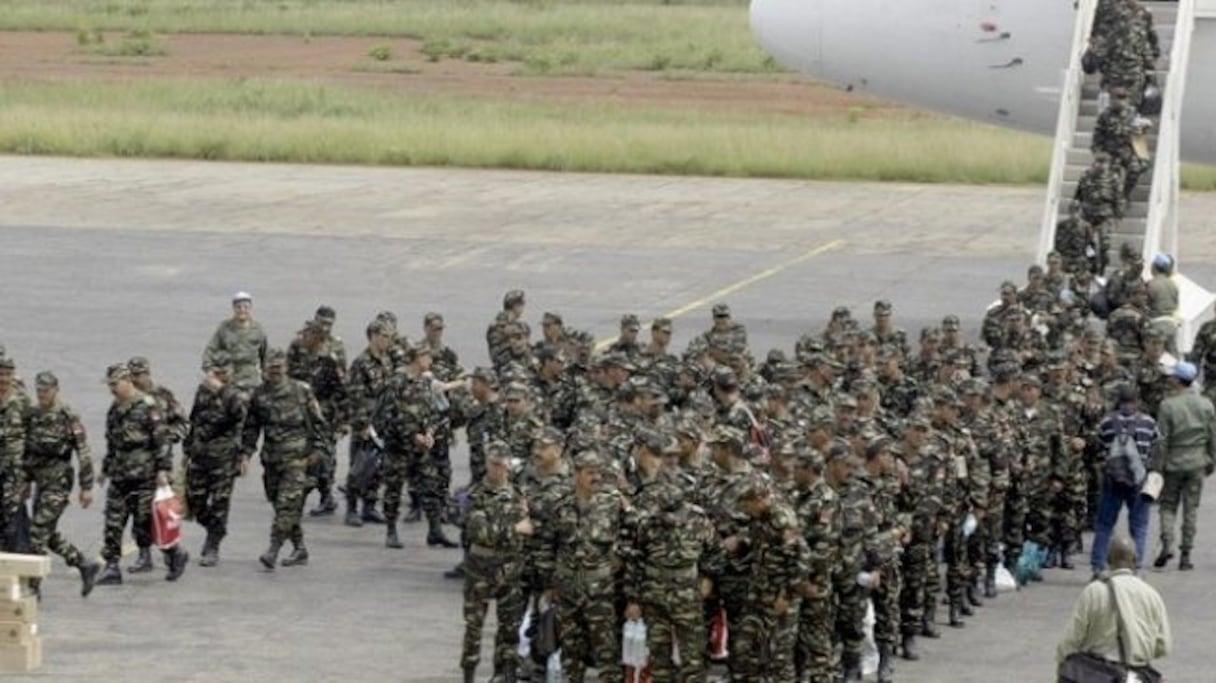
[(1187, 422)]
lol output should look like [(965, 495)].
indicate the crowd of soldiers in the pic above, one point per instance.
[(778, 495), (1124, 48)]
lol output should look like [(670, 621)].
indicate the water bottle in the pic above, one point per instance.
[(633, 650)]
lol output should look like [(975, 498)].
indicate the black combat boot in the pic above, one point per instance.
[(1184, 562), (990, 582), (111, 575), (910, 648), (1066, 560), (271, 555), (177, 560), (886, 668), (850, 666), (928, 623), (436, 537), (973, 596), (956, 615), (371, 515), (297, 558), (352, 511), (88, 577), (1163, 558), (143, 563), (390, 537), (325, 507), (470, 674), (456, 572), (415, 513), (965, 608), (211, 551)]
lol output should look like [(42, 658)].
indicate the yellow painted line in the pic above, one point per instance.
[(741, 284)]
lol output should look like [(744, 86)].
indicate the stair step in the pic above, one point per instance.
[(1069, 187)]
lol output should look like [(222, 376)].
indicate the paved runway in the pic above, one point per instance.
[(103, 260)]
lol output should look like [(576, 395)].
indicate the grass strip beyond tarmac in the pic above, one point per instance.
[(543, 36), (309, 123)]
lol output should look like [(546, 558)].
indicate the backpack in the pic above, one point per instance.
[(1123, 464)]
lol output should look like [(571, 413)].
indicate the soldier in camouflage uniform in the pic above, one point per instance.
[(670, 556), (286, 415), (856, 515), (1100, 193), (657, 362), (780, 562), (887, 335), (136, 460), (369, 376), (919, 506), (992, 330), (1127, 53), (1203, 355), (1128, 324), (480, 411), (585, 536), (496, 526), (883, 547), (818, 509), (213, 453), (310, 359), (545, 481), (244, 340), (1113, 134), (728, 445), (553, 388), (13, 403), (53, 432), (507, 324), (174, 423), (725, 333), (627, 343), (408, 419), (1040, 432)]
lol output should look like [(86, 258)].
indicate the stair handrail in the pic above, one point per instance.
[(1066, 125), (1161, 224)]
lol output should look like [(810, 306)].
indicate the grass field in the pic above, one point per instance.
[(546, 36), (269, 121)]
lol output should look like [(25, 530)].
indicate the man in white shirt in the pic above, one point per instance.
[(1094, 627)]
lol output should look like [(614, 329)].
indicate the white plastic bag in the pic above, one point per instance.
[(634, 652), (553, 668), (1004, 580), (869, 649), (525, 642)]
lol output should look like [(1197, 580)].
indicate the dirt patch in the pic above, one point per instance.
[(53, 56)]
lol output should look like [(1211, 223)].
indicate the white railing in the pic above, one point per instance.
[(1161, 226), (1066, 125)]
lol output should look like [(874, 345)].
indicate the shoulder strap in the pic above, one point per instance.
[(1119, 628)]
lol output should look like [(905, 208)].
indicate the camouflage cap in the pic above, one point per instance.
[(645, 385), (616, 360), (325, 314), (276, 358), (1034, 271), (117, 371), (841, 312), (381, 326), (883, 307), (810, 458), (918, 421), (838, 451), (688, 426), (824, 360), (653, 441), (415, 350), (730, 436), (498, 449), (721, 310), (1008, 287), (1154, 334), (775, 356), (315, 325), (218, 360), (951, 323), (725, 378), (389, 317), (786, 372), (432, 319), (139, 365), (485, 375), (513, 297), (7, 363), (587, 460), (46, 379), (877, 446), (661, 325), (515, 390), (944, 396), (549, 436), (1054, 257), (1032, 381), (820, 418), (753, 487), (551, 318), (629, 321), (973, 387), (846, 401), (547, 352)]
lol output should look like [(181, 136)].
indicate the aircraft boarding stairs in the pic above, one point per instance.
[(1150, 221)]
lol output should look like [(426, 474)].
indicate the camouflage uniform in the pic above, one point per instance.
[(818, 510), (135, 452), (245, 346), (857, 518), (286, 414), (1040, 433), (482, 423), (882, 553), (369, 377), (585, 536), (493, 571), (52, 435), (408, 410), (324, 370), (213, 453), (12, 448), (1113, 134), (1100, 192), (671, 546), (919, 506), (544, 493), (1203, 355)]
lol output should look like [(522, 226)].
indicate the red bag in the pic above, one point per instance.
[(719, 637), (166, 518), (632, 675)]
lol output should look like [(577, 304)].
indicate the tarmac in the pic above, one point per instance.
[(107, 259)]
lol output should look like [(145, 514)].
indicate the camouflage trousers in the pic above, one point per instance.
[(1040, 515), (954, 554), (1065, 523), (477, 463), (422, 471), (209, 483), (587, 614), (762, 642), (127, 499), (52, 493), (885, 599), (919, 561), (994, 527), (732, 590), (1185, 488), (284, 483), (678, 620), (850, 615), (1016, 510), (321, 475), (813, 653), (485, 580)]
